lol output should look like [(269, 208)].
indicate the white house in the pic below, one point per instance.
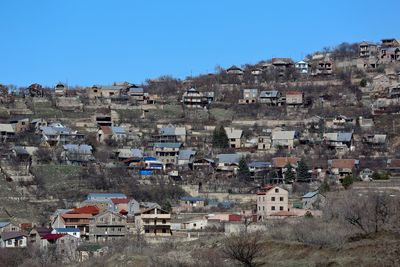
[(13, 239)]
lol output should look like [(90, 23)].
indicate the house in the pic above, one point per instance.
[(67, 245), (194, 224), (193, 99), (185, 157), (270, 97), (282, 64), (20, 124), (340, 168), (114, 133), (312, 200), (249, 96), (341, 142), (107, 226), (257, 166), (37, 123), (389, 54), (77, 154), (75, 232), (235, 137), (167, 152), (9, 227), (375, 139), (284, 139), (172, 134), (234, 70), (393, 167), (270, 200), (279, 164), (201, 163), (56, 133), (103, 119), (264, 142), (154, 222), (302, 67), (366, 175), (228, 162), (137, 94), (367, 49), (390, 42), (294, 98), (7, 131), (77, 218), (36, 234), (152, 164), (188, 204), (24, 153), (324, 67), (88, 251), (14, 239), (60, 90)]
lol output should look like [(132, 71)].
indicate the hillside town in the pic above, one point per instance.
[(234, 151)]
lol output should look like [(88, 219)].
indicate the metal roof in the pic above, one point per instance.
[(229, 158), (168, 145)]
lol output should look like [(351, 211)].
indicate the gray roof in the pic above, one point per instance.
[(6, 127), (168, 145), (344, 137), (10, 235), (260, 164), (186, 154), (118, 130), (283, 135), (229, 158), (83, 149), (269, 94), (4, 224), (20, 150), (136, 90), (310, 194)]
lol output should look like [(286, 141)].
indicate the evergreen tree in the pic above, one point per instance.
[(243, 171), (302, 172), (220, 138), (347, 181), (289, 175)]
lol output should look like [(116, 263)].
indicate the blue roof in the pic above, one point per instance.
[(168, 145), (149, 158), (229, 158), (344, 137), (167, 131), (310, 194), (4, 224), (260, 164), (193, 199), (118, 130), (186, 154), (66, 230)]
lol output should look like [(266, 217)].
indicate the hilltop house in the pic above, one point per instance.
[(367, 49), (282, 64), (271, 200), (60, 90), (302, 67), (235, 137), (234, 70), (192, 99)]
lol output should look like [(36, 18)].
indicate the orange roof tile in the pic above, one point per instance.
[(85, 210), (281, 162), (343, 163)]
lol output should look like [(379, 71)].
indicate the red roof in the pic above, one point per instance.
[(106, 129), (53, 236), (85, 210), (281, 162), (343, 163), (123, 212), (120, 200), (235, 218)]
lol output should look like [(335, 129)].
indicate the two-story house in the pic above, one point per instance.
[(167, 152), (235, 137), (192, 98)]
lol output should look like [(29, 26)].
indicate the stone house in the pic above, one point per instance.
[(271, 200), (154, 222), (107, 226)]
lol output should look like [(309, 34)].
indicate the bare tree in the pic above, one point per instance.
[(244, 248)]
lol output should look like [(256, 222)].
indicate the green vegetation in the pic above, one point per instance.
[(347, 181), (289, 174), (221, 114), (380, 176), (302, 172), (243, 171), (220, 138)]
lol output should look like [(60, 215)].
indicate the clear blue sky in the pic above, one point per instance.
[(88, 42)]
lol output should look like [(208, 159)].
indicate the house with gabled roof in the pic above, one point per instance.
[(294, 98), (284, 139), (235, 70), (107, 226), (270, 97), (13, 239), (154, 222), (228, 162), (235, 137), (77, 154), (116, 133), (313, 200), (340, 168)]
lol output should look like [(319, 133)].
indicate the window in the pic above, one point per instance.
[(272, 207), (259, 208), (263, 207), (9, 242), (164, 230), (280, 207), (113, 219), (272, 198), (164, 221), (276, 190), (194, 225), (62, 241), (147, 231), (263, 198), (281, 199)]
